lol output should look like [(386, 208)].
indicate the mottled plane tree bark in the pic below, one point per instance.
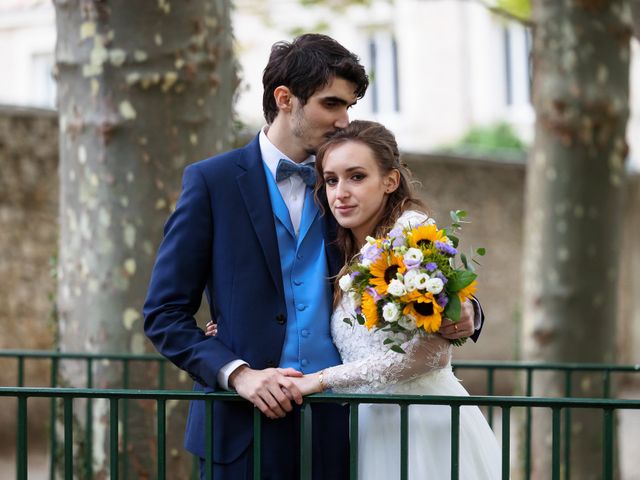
[(144, 89), (575, 181)]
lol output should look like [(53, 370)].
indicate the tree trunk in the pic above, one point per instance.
[(144, 89), (575, 180)]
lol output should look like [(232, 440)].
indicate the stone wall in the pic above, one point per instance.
[(28, 244), (492, 193)]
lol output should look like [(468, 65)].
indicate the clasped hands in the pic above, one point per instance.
[(273, 390)]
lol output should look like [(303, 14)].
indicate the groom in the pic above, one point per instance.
[(247, 232)]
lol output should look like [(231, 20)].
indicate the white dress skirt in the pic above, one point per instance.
[(370, 367)]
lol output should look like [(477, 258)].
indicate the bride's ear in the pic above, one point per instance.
[(392, 181)]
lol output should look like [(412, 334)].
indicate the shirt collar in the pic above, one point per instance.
[(271, 155)]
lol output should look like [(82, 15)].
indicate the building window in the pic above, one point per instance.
[(517, 65), (383, 61), (43, 83)]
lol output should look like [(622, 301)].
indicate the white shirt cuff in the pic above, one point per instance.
[(477, 318), (225, 372)]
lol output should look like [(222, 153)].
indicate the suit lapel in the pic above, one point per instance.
[(253, 188)]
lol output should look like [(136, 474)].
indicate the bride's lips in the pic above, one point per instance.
[(345, 209)]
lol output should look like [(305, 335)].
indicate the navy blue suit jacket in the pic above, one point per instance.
[(221, 239)]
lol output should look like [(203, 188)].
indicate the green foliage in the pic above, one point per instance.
[(498, 140), (520, 9)]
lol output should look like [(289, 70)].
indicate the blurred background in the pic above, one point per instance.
[(451, 78)]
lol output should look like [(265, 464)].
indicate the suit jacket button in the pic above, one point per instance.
[(281, 319), (271, 364)]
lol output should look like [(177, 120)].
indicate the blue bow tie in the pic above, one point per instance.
[(286, 168)]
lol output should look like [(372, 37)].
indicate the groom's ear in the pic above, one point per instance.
[(392, 181), (283, 98)]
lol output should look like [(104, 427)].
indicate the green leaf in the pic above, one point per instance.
[(463, 257), (360, 319), (461, 213), (459, 342), (481, 251), (518, 8), (460, 279), (455, 240), (454, 216), (397, 349), (348, 321), (387, 341), (453, 308)]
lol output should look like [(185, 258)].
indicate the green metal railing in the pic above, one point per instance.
[(524, 372), (557, 405)]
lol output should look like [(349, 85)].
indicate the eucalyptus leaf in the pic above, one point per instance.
[(455, 240), (463, 257), (387, 341), (397, 349), (360, 319), (481, 251), (348, 321)]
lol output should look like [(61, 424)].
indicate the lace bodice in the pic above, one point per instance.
[(368, 365)]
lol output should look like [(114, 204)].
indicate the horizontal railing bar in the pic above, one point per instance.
[(514, 401), (464, 364)]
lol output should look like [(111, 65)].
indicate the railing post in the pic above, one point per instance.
[(490, 390), (506, 442), (257, 443), (568, 388), (353, 440), (404, 441), (21, 450), (527, 439), (53, 441), (113, 437), (455, 442), (607, 454), (88, 457), (125, 420), (162, 438), (306, 469), (68, 438), (555, 444), (208, 438)]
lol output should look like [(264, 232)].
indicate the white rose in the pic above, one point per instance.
[(390, 312), (409, 280), (413, 255), (366, 263), (421, 281), (407, 322), (396, 288), (345, 282), (435, 285)]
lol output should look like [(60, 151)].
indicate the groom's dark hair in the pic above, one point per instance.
[(306, 65)]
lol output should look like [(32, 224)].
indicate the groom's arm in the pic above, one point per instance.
[(178, 280)]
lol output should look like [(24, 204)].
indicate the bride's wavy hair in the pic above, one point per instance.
[(382, 144)]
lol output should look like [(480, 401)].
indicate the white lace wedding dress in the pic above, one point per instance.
[(370, 367)]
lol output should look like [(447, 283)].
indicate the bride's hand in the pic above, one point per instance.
[(464, 327), (308, 384), (212, 329)]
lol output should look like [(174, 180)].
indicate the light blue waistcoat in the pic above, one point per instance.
[(307, 346)]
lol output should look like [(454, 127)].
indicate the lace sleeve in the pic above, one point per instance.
[(424, 354)]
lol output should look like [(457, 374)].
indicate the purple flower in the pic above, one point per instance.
[(411, 262), (442, 300), (370, 251), (397, 237), (441, 276), (372, 291), (446, 249), (354, 275), (431, 266)]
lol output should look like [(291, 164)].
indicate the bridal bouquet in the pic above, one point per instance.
[(407, 281)]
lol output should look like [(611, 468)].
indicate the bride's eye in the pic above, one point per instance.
[(358, 177), (331, 181)]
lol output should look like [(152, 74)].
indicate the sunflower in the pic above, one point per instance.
[(425, 236), (384, 269), (424, 308), (369, 310), (468, 291)]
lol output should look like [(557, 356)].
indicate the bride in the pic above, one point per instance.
[(368, 192)]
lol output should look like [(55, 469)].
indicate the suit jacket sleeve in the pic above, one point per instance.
[(180, 275)]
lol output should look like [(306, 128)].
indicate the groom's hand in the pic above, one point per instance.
[(266, 388), (464, 327)]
